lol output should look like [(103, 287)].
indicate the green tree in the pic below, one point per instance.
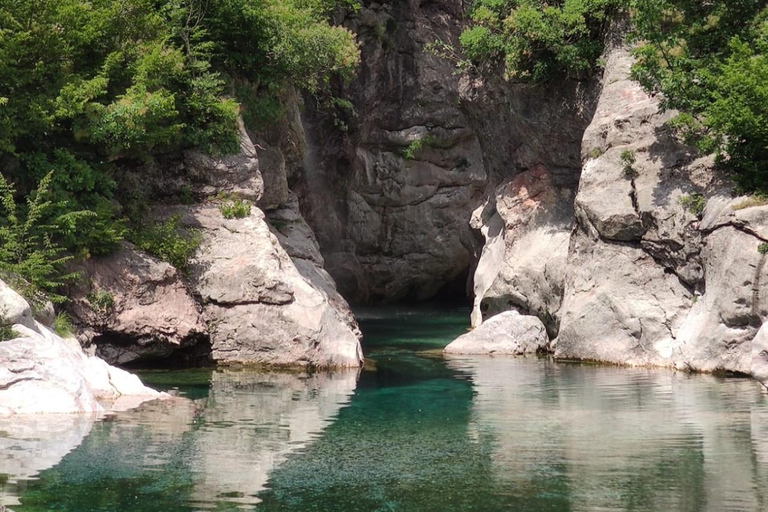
[(710, 61), (537, 40)]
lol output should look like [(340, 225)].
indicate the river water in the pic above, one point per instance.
[(412, 432)]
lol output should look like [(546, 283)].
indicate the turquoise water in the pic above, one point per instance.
[(412, 432)]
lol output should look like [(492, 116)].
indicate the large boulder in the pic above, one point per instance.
[(759, 368), (508, 333), (132, 306), (650, 281), (41, 372), (262, 306), (236, 174)]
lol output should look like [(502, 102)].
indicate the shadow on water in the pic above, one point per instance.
[(413, 432)]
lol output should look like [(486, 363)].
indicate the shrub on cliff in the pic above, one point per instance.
[(710, 61), (536, 40), (87, 85)]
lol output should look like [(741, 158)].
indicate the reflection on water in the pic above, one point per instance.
[(33, 445), (417, 433), (181, 455), (623, 438)]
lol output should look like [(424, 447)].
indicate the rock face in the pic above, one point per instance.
[(527, 227), (42, 373), (254, 294), (408, 171), (134, 306), (262, 306), (508, 333), (647, 282)]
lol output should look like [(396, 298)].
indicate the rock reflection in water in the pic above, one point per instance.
[(35, 444), (622, 438), (182, 455)]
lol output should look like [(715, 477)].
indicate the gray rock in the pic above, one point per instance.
[(647, 282), (236, 174), (152, 314), (389, 198), (759, 368), (508, 333), (262, 306), (522, 263), (43, 373)]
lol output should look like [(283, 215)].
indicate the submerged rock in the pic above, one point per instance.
[(508, 333), (41, 372)]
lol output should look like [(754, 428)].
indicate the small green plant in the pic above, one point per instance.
[(694, 203), (62, 325), (6, 329), (411, 150), (101, 301), (595, 153), (628, 160), (168, 242), (235, 208), (763, 248)]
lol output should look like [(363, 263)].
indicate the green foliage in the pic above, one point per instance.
[(87, 86), (412, 150), (710, 61), (62, 325), (167, 241), (28, 247), (694, 203), (6, 331), (595, 153), (536, 40), (235, 208), (763, 248), (101, 301), (628, 160)]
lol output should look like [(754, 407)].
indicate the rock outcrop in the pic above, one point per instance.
[(508, 333), (263, 307), (389, 196), (647, 281), (255, 294), (133, 306), (41, 372)]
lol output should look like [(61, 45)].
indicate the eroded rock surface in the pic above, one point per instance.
[(389, 199), (133, 306), (508, 333), (41, 372), (262, 306), (647, 281)]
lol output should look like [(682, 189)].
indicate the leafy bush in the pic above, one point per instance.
[(411, 151), (7, 332), (62, 325), (694, 203), (101, 301), (27, 242), (710, 61), (167, 241), (763, 248), (235, 208), (628, 160), (536, 40), (86, 87)]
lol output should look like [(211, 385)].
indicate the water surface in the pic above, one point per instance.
[(412, 432)]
